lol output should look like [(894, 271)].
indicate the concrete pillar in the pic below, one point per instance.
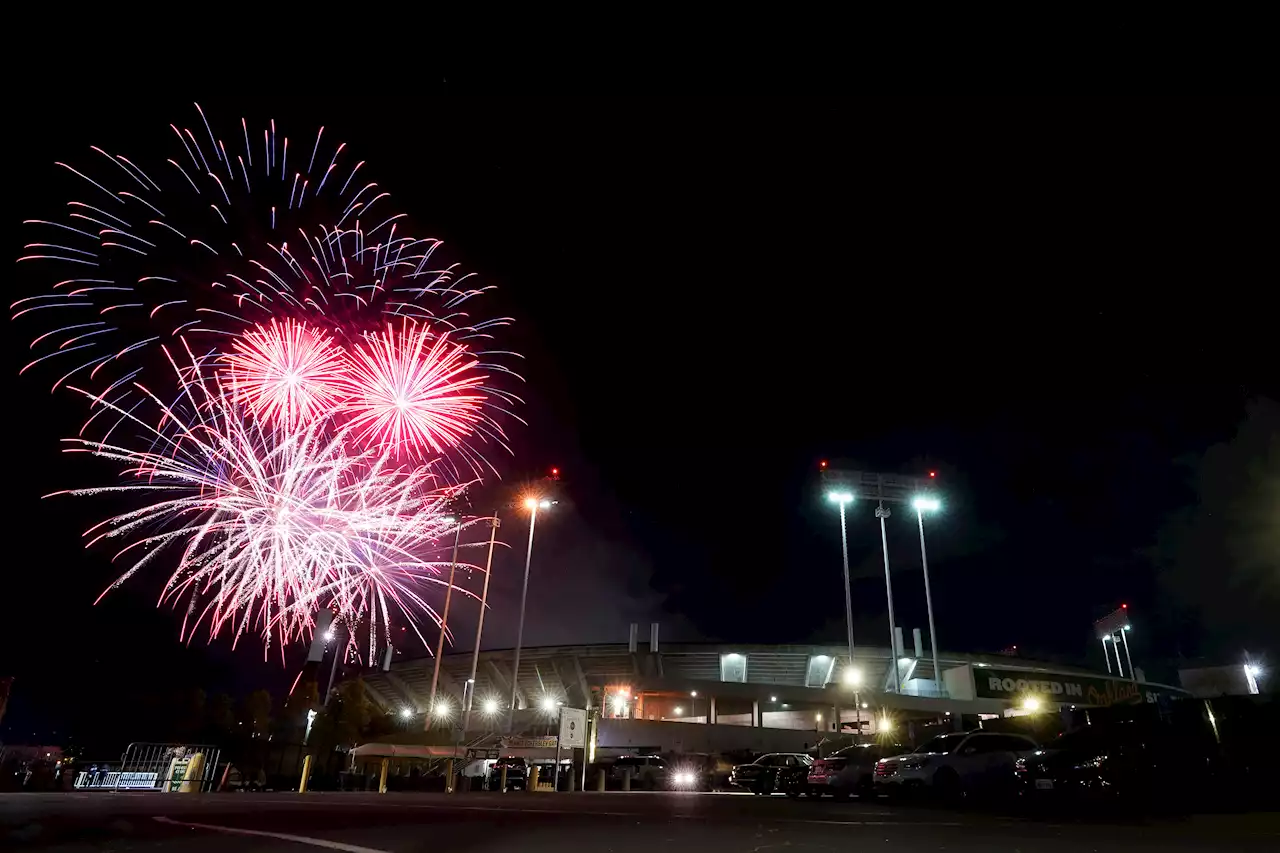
[(626, 779), (600, 780), (755, 713), (711, 711)]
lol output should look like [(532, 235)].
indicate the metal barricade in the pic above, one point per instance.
[(185, 768)]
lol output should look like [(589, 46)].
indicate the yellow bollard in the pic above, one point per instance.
[(502, 784), (533, 778), (448, 776), (191, 778), (382, 781), (306, 774)]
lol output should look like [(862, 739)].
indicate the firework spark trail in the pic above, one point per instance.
[(216, 243), (272, 526)]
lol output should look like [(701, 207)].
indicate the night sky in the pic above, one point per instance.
[(1065, 309)]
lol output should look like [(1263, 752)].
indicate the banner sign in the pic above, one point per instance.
[(1016, 685), (115, 779), (529, 743), (573, 728)]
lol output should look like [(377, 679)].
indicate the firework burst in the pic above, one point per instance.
[(222, 239), (286, 373), (271, 526), (414, 390)]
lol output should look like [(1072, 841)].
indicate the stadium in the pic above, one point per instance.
[(711, 697)]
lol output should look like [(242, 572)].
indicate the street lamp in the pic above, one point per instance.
[(843, 499), (548, 705), (533, 504), (406, 713), (440, 709), (853, 678), (1031, 704), (490, 707), (922, 505)]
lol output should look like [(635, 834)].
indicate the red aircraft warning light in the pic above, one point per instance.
[(823, 464), (933, 474)]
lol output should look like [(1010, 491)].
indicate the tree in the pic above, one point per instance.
[(257, 712), (190, 717), (352, 712), (222, 715)]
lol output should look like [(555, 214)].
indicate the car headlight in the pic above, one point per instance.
[(684, 779)]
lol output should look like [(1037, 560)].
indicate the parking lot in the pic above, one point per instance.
[(618, 823)]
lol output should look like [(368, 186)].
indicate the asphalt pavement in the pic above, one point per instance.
[(581, 823)]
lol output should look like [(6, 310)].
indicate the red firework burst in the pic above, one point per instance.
[(414, 390), (286, 373)]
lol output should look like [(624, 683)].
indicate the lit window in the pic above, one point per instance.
[(733, 667)]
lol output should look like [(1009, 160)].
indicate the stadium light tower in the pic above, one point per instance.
[(843, 499), (533, 504), (881, 488), (922, 505), (444, 619), (484, 603)]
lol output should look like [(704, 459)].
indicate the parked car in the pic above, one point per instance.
[(1127, 760), (957, 764), (849, 771), (517, 774), (774, 771), (647, 771)]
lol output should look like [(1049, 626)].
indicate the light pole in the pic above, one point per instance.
[(922, 505), (533, 505), (1124, 637), (1106, 654), (882, 512), (853, 678), (484, 598), (444, 620), (843, 499)]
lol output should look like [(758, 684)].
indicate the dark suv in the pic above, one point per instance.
[(517, 774), (647, 771)]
